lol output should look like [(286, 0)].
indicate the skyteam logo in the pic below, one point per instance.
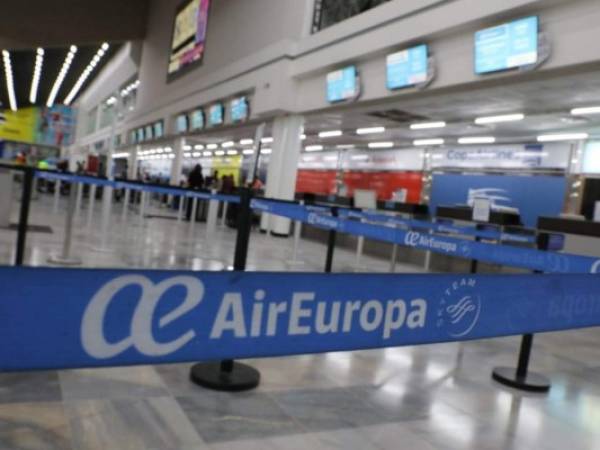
[(459, 308), (499, 199)]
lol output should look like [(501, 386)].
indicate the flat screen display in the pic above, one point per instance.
[(215, 115), (407, 68), (189, 35), (342, 85), (197, 120), (239, 109), (148, 132), (140, 135), (158, 129), (132, 136), (181, 123), (507, 46)]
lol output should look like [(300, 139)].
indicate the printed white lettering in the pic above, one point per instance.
[(232, 303), (297, 313)]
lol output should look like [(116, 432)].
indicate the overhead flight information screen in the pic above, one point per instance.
[(507, 46), (215, 114), (342, 84), (407, 68), (239, 109), (189, 35)]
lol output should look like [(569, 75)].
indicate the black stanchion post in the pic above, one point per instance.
[(24, 215), (229, 375), (521, 378), (331, 244)]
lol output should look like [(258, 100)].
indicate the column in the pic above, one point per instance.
[(283, 167), (177, 161), (133, 162)]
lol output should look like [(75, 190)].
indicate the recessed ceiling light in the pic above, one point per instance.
[(266, 151), (247, 142), (198, 147), (345, 146), (422, 142), (10, 84), (381, 144), (187, 147), (477, 140), (313, 148), (266, 140), (228, 144), (219, 153), (196, 154), (427, 125), (248, 151), (206, 153), (212, 146), (498, 119), (302, 137), (86, 72), (372, 130), (37, 73), (232, 152), (329, 134), (562, 137), (589, 110)]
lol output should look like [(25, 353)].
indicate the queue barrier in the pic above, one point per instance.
[(73, 318), (512, 256)]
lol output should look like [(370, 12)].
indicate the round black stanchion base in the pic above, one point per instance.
[(531, 382), (210, 375)]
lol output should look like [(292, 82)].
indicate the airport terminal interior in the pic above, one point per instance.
[(300, 224)]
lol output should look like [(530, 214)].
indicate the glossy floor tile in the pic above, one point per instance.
[(413, 398)]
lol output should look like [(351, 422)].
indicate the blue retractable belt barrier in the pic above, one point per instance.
[(497, 254), (64, 318), (136, 186), (437, 227)]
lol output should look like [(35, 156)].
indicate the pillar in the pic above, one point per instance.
[(133, 162), (283, 167), (177, 162)]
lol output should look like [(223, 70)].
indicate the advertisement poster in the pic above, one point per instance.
[(189, 35), (45, 126), (530, 196)]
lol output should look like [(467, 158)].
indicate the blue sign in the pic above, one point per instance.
[(215, 115), (68, 318), (530, 196), (239, 109), (342, 85), (197, 120), (407, 68), (181, 123), (507, 46)]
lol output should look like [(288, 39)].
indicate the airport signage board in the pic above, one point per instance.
[(239, 109), (507, 46), (197, 120), (407, 68), (181, 123), (342, 85), (216, 114), (149, 132), (530, 196)]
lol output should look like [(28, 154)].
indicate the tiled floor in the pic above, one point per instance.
[(430, 397)]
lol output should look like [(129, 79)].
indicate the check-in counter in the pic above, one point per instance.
[(582, 237), (504, 222)]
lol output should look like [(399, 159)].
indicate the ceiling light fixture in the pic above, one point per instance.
[(61, 76), (477, 140), (422, 142), (206, 153), (219, 153), (212, 146), (427, 125), (345, 146), (372, 130), (562, 137), (381, 144), (187, 147), (228, 144), (248, 151), (588, 110), (498, 119), (86, 73), (37, 73), (10, 84), (232, 152), (247, 142), (266, 151), (266, 140), (330, 134), (302, 137), (313, 148), (198, 147)]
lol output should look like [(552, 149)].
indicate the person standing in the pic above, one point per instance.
[(195, 182)]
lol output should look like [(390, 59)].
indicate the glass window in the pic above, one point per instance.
[(91, 120), (330, 12)]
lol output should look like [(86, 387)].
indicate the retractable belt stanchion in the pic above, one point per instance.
[(24, 215), (180, 208), (125, 205), (78, 200), (228, 375), (57, 186), (91, 204), (520, 377), (193, 215), (297, 234), (65, 257), (331, 244)]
